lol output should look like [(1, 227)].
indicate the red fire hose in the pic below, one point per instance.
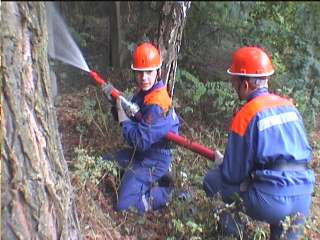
[(182, 141)]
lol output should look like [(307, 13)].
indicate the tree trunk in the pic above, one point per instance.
[(172, 21), (37, 197), (115, 34)]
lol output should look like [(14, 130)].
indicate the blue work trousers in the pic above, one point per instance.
[(137, 188), (262, 206)]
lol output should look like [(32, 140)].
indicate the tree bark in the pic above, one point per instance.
[(171, 25), (37, 197)]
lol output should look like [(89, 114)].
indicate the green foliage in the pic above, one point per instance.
[(191, 86), (87, 114), (88, 111), (185, 220), (198, 217), (128, 93), (222, 98), (81, 38), (214, 100), (91, 168), (260, 234), (288, 30), (93, 114)]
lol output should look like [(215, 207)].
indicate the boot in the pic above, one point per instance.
[(166, 181)]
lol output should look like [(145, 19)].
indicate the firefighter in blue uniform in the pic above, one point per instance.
[(267, 153), (150, 156)]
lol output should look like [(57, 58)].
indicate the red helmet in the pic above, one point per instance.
[(251, 62), (146, 57)]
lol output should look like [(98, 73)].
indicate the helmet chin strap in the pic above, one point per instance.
[(158, 78), (241, 79), (158, 75)]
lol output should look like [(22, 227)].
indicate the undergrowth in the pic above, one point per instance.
[(197, 218)]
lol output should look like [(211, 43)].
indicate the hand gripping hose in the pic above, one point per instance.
[(182, 141)]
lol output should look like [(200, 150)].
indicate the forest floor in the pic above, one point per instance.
[(95, 202)]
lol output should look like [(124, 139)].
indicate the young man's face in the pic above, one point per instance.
[(146, 79)]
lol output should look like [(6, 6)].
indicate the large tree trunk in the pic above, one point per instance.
[(37, 198), (172, 21)]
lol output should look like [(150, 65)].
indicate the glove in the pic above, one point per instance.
[(107, 90), (218, 157), (122, 116)]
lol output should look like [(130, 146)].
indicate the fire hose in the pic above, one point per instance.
[(182, 141)]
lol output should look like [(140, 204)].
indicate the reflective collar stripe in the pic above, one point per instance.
[(277, 120)]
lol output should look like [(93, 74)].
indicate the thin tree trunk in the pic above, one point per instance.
[(115, 34), (37, 197), (172, 21)]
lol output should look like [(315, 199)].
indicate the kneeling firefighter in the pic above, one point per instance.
[(267, 153), (149, 157)]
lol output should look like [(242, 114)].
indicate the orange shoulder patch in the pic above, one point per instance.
[(242, 119), (159, 97)]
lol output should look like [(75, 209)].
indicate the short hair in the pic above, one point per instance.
[(256, 82)]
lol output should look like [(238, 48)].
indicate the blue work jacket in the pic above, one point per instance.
[(268, 131), (147, 136)]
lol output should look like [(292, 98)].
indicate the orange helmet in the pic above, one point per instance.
[(146, 57), (251, 62)]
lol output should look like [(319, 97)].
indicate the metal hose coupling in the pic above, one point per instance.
[(130, 108)]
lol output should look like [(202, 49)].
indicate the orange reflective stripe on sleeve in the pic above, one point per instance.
[(159, 97), (242, 119)]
